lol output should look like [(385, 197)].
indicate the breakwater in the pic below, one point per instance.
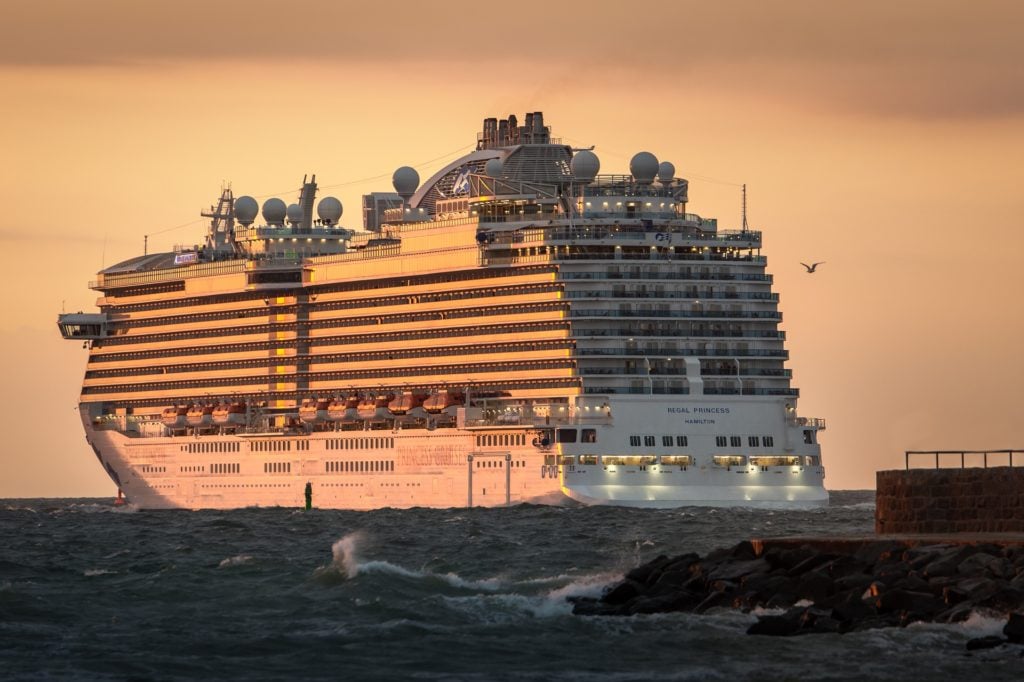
[(833, 585), (961, 500)]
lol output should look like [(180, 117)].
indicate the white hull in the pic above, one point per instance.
[(454, 467)]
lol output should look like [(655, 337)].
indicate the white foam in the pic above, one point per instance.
[(237, 560), (344, 553), (584, 586), (90, 572)]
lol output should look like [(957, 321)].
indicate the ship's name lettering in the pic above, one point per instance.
[(431, 459), (698, 410)]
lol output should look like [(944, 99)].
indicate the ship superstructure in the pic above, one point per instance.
[(516, 328)]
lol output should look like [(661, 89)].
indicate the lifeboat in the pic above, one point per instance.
[(229, 413), (442, 400), (344, 408), (313, 411), (175, 417), (405, 402), (367, 407), (200, 415)]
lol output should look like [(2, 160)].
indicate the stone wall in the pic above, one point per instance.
[(975, 500)]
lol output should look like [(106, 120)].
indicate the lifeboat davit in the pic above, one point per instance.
[(229, 413), (200, 415), (175, 417), (313, 411)]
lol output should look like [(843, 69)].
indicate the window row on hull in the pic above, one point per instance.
[(361, 287), (262, 311), (409, 318), (454, 371), (487, 388), (450, 334), (524, 347)]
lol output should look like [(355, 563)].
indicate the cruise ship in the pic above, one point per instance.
[(517, 328)]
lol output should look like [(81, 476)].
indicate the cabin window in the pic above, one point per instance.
[(566, 435)]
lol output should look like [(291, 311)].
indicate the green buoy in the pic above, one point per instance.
[(309, 496)]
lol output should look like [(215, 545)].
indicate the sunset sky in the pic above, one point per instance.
[(884, 138)]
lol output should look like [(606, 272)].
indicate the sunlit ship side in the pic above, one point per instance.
[(518, 328)]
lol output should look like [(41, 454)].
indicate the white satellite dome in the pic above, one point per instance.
[(405, 181), (294, 213), (329, 210), (666, 172), (585, 165), (246, 210), (494, 167), (643, 167), (274, 211)]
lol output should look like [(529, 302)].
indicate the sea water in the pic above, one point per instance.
[(89, 591)]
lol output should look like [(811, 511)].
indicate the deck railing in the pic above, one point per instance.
[(939, 455)]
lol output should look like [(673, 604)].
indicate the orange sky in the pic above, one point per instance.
[(886, 139)]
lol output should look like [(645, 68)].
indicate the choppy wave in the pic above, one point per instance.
[(480, 594)]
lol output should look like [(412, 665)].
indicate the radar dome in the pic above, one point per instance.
[(294, 213), (405, 181), (666, 172), (246, 210), (493, 168), (274, 211), (643, 167), (329, 209), (585, 165)]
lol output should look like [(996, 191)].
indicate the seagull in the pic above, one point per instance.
[(813, 266)]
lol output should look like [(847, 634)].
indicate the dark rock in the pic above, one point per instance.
[(989, 642), (738, 569), (585, 606), (780, 600), (872, 553), (913, 582), (675, 577), (976, 564), (853, 608), (905, 600), (726, 586), (891, 572), (712, 600), (623, 592), (810, 563), (1014, 628), (744, 551), (788, 558), (640, 574), (1005, 600), (814, 586), (857, 581), (682, 562), (844, 566), (978, 588), (667, 603), (957, 614)]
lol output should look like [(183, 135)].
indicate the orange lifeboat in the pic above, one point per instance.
[(442, 400), (405, 402), (313, 411), (367, 407), (174, 417), (200, 415), (229, 413)]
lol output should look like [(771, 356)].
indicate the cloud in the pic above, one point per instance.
[(920, 59)]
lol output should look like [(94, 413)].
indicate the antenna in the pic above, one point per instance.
[(745, 228), (145, 245)]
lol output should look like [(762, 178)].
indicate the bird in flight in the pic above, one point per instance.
[(813, 266)]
